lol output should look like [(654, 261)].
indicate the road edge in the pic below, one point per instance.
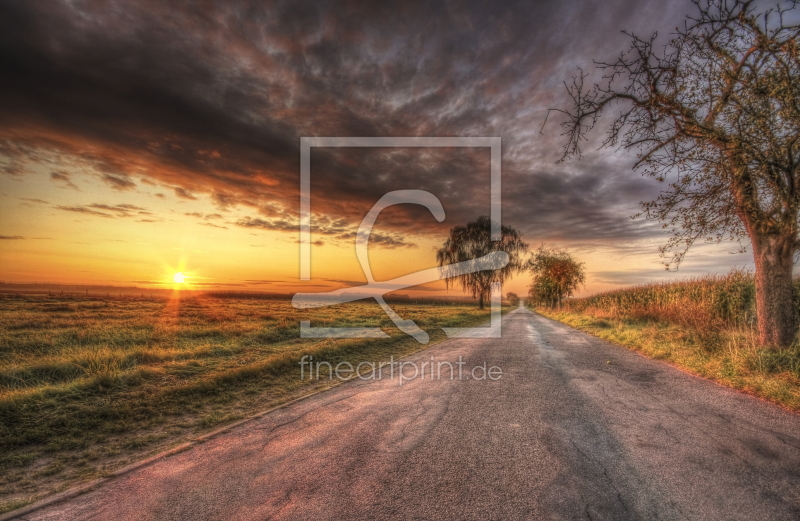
[(96, 483)]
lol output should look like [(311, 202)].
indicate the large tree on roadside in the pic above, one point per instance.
[(473, 241), (556, 275), (716, 114)]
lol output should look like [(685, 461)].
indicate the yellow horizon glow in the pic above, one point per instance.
[(153, 240)]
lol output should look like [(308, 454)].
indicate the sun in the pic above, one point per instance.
[(179, 278)]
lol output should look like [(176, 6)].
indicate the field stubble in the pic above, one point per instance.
[(88, 385)]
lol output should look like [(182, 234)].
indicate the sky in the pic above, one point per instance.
[(143, 138)]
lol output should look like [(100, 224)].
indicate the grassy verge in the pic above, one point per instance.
[(89, 385), (728, 355)]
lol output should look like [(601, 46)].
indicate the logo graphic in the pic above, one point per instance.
[(377, 289)]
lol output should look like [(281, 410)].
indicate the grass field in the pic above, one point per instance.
[(88, 385), (705, 325)]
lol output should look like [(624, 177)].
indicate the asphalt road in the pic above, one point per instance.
[(561, 435)]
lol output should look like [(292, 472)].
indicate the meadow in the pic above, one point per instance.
[(89, 385), (705, 325)]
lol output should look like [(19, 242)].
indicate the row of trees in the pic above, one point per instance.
[(556, 275)]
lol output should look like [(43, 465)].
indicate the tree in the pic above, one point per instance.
[(556, 275), (717, 112), (513, 298), (473, 241)]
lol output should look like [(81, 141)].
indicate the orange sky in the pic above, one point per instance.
[(86, 232), (83, 231)]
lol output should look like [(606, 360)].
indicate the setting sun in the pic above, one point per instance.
[(178, 278)]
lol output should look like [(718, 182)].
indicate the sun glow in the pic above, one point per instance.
[(178, 278)]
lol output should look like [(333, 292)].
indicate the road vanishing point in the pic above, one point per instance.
[(576, 428)]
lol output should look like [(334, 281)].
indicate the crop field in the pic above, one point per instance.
[(707, 325), (88, 385)]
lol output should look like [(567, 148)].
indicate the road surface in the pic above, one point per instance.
[(561, 435)]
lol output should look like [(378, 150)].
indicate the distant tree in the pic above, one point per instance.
[(512, 298), (473, 241), (717, 111), (556, 276)]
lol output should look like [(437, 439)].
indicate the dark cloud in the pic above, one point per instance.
[(118, 182), (64, 178), (346, 282), (336, 230), (84, 210), (11, 237), (208, 216), (109, 211), (279, 225), (184, 194), (219, 110)]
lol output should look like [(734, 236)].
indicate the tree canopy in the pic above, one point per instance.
[(714, 114), (472, 241), (556, 276), (512, 298)]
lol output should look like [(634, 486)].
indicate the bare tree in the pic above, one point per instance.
[(715, 114), (473, 241)]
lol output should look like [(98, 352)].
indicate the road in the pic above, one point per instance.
[(575, 428)]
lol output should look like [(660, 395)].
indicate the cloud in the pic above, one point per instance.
[(184, 194), (336, 231), (84, 210), (208, 216), (129, 207), (219, 111), (63, 177), (346, 282), (118, 182), (11, 237), (109, 211), (264, 224)]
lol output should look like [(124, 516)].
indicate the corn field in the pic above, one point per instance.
[(711, 302)]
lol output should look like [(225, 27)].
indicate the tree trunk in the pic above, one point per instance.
[(480, 300), (777, 320)]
